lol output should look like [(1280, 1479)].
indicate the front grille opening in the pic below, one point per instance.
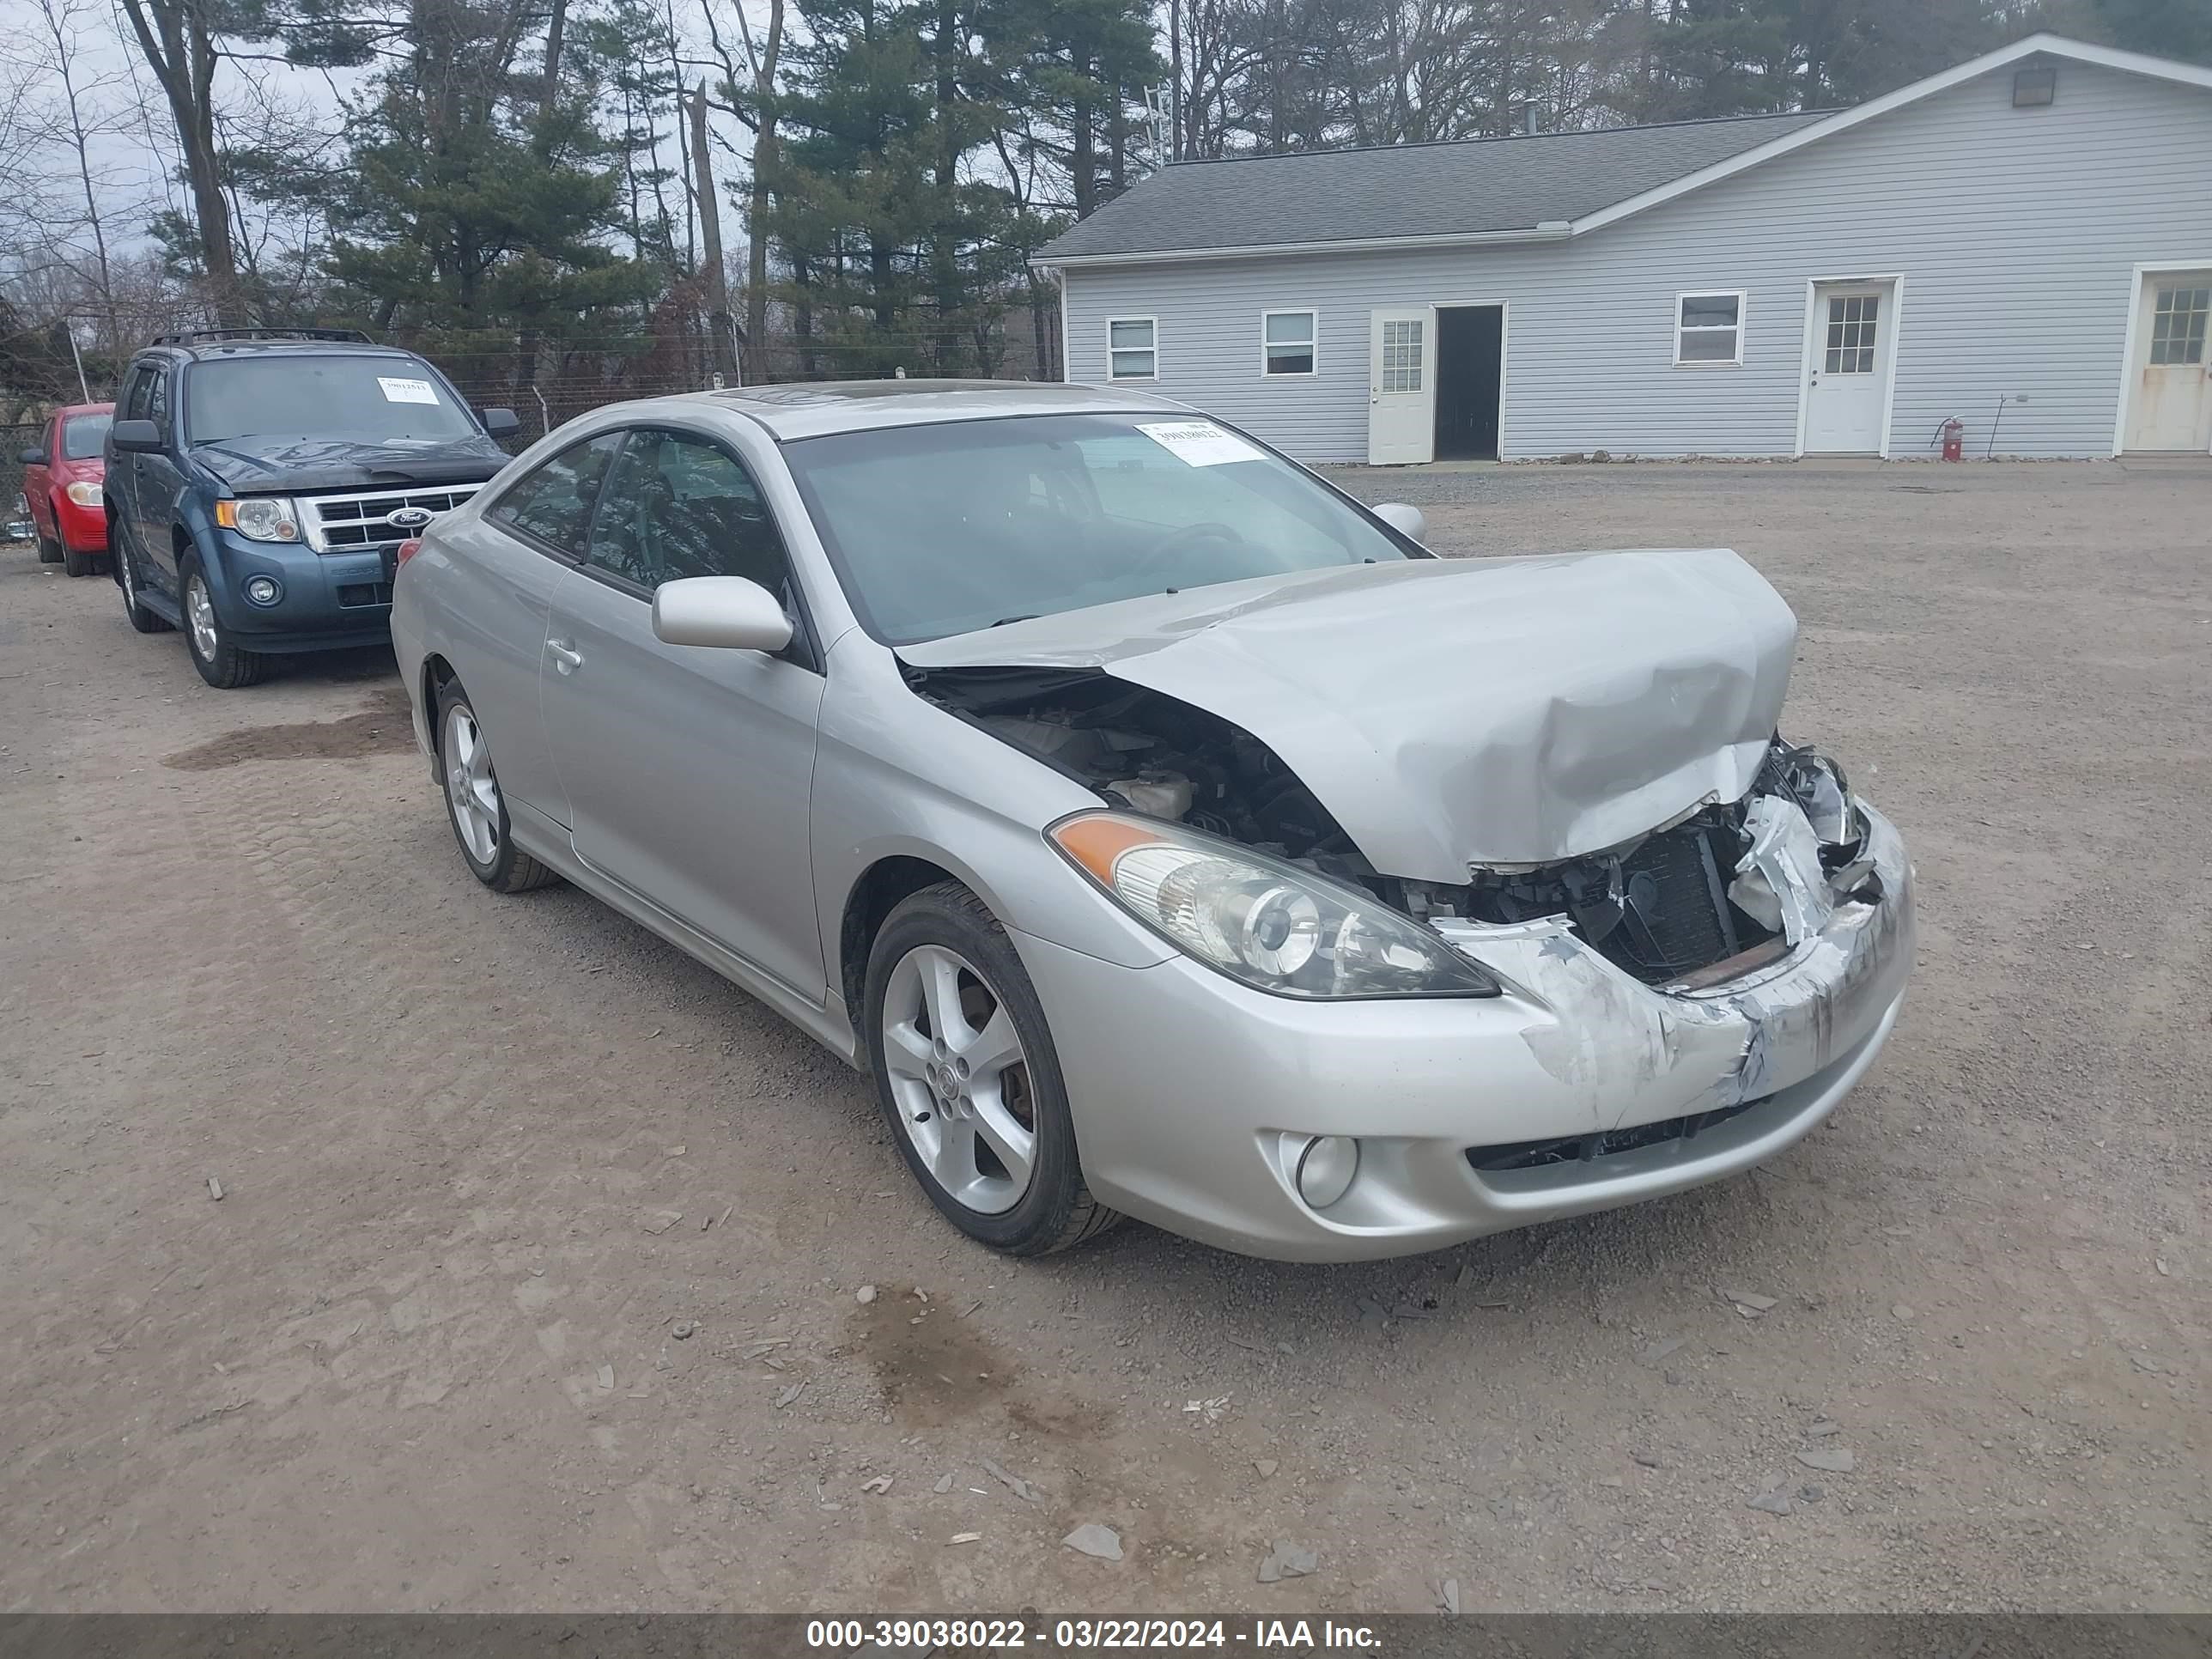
[(351, 594), (1600, 1144), (1659, 912)]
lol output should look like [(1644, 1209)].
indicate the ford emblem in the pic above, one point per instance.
[(409, 518)]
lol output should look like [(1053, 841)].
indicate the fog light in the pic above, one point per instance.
[(263, 590), (1326, 1169)]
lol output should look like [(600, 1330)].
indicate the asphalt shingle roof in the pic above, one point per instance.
[(1411, 190)]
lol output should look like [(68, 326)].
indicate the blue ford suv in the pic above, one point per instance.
[(260, 481)]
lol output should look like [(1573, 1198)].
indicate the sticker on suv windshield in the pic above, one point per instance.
[(407, 391), (1198, 443)]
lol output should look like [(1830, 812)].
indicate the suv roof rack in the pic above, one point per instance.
[(199, 336)]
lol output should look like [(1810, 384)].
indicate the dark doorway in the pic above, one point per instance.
[(1470, 357)]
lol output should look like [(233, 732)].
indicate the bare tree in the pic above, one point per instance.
[(758, 112), (177, 40)]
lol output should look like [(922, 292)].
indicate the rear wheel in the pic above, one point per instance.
[(968, 1078), (473, 803), (126, 578), (222, 664)]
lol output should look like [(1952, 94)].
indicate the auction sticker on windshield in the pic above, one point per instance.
[(406, 391), (1198, 443)]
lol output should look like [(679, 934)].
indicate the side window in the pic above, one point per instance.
[(134, 401), (157, 399), (682, 507), (552, 503)]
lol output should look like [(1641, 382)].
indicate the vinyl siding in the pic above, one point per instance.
[(2015, 232)]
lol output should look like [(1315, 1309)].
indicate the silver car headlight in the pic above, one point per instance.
[(260, 518), (1274, 926)]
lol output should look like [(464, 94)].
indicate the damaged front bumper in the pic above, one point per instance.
[(1578, 1090)]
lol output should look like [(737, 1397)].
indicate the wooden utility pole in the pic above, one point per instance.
[(710, 243)]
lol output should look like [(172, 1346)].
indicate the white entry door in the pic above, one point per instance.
[(1847, 380), (2169, 390), (1401, 385)]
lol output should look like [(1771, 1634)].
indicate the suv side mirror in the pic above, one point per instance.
[(139, 436), (32, 456), (1406, 520), (501, 422), (728, 612)]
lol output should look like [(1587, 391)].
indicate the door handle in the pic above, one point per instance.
[(565, 660)]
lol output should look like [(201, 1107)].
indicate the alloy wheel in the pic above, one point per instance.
[(471, 788), (960, 1078), (199, 611)]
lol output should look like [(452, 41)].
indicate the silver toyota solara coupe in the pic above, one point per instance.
[(1168, 834)]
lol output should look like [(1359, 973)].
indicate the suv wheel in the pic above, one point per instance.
[(222, 664), (126, 578), (473, 803)]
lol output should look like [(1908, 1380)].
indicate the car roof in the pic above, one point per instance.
[(206, 350), (814, 408)]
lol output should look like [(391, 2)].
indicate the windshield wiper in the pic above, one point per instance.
[(1004, 621)]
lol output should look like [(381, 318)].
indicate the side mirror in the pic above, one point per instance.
[(501, 422), (33, 456), (1405, 520), (727, 612), (136, 436)]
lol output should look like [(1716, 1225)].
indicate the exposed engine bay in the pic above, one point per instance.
[(1687, 903)]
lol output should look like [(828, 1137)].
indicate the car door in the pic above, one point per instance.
[(499, 586), (688, 770), (122, 481), (156, 480)]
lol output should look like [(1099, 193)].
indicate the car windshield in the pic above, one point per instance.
[(82, 436), (356, 399), (944, 529)]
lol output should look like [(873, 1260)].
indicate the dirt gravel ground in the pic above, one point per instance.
[(485, 1161)]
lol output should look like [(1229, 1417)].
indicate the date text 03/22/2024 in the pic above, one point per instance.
[(1282, 1635)]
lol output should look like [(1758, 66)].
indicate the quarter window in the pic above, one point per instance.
[(1132, 349), (1286, 342), (552, 503), (1708, 328), (2177, 329), (678, 505)]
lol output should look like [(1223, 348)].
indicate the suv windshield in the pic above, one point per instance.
[(939, 529), (82, 436), (360, 399)]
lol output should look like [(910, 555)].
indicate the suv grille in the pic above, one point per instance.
[(362, 524)]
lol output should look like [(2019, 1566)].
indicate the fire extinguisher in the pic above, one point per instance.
[(1953, 433)]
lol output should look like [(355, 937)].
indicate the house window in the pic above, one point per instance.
[(1708, 328), (1852, 319), (1286, 342), (1401, 356), (1132, 349), (2177, 328)]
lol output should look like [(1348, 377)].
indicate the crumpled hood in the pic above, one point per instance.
[(267, 465), (1450, 711)]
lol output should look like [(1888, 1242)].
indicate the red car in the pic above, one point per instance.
[(61, 474)]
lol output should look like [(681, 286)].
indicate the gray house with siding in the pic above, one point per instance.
[(2023, 244)]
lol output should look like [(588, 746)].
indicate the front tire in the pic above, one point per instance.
[(474, 805), (967, 1077), (50, 551), (222, 663), (74, 563)]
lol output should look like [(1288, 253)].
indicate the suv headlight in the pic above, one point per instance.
[(1272, 924), (260, 518), (84, 493)]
